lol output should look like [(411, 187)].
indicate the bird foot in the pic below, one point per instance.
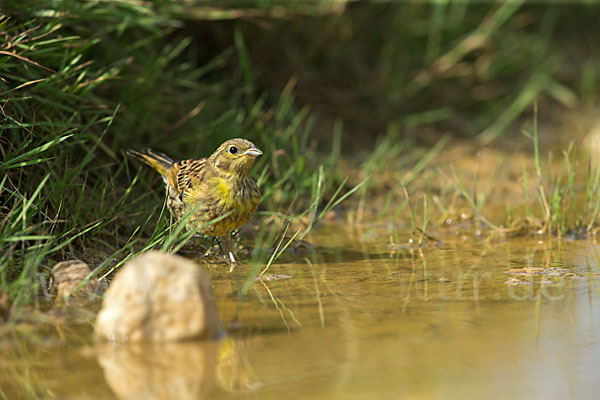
[(232, 261)]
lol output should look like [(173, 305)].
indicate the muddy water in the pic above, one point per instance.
[(467, 318)]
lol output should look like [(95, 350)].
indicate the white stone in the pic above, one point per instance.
[(159, 297)]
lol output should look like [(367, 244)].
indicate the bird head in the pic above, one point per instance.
[(235, 156)]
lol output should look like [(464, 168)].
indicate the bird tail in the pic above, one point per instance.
[(158, 161)]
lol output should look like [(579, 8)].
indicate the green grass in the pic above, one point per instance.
[(85, 81), (81, 82), (561, 194)]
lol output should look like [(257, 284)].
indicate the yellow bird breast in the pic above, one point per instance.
[(219, 199), (223, 193)]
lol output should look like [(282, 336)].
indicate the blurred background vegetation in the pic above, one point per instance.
[(327, 89)]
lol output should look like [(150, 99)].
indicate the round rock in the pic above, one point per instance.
[(69, 275), (158, 297)]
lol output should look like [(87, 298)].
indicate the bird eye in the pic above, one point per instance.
[(233, 150)]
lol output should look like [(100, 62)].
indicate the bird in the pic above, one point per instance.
[(218, 186)]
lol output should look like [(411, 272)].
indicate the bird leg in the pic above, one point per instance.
[(218, 240), (230, 253)]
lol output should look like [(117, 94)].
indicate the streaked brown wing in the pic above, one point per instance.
[(189, 173)]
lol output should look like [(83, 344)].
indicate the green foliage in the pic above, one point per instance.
[(82, 81), (470, 67)]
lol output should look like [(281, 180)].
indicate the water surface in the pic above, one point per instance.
[(467, 318)]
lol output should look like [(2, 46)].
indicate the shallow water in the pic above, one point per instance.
[(467, 318)]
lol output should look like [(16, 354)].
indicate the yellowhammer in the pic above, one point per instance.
[(217, 186)]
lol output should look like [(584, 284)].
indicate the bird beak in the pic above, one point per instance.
[(253, 152)]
